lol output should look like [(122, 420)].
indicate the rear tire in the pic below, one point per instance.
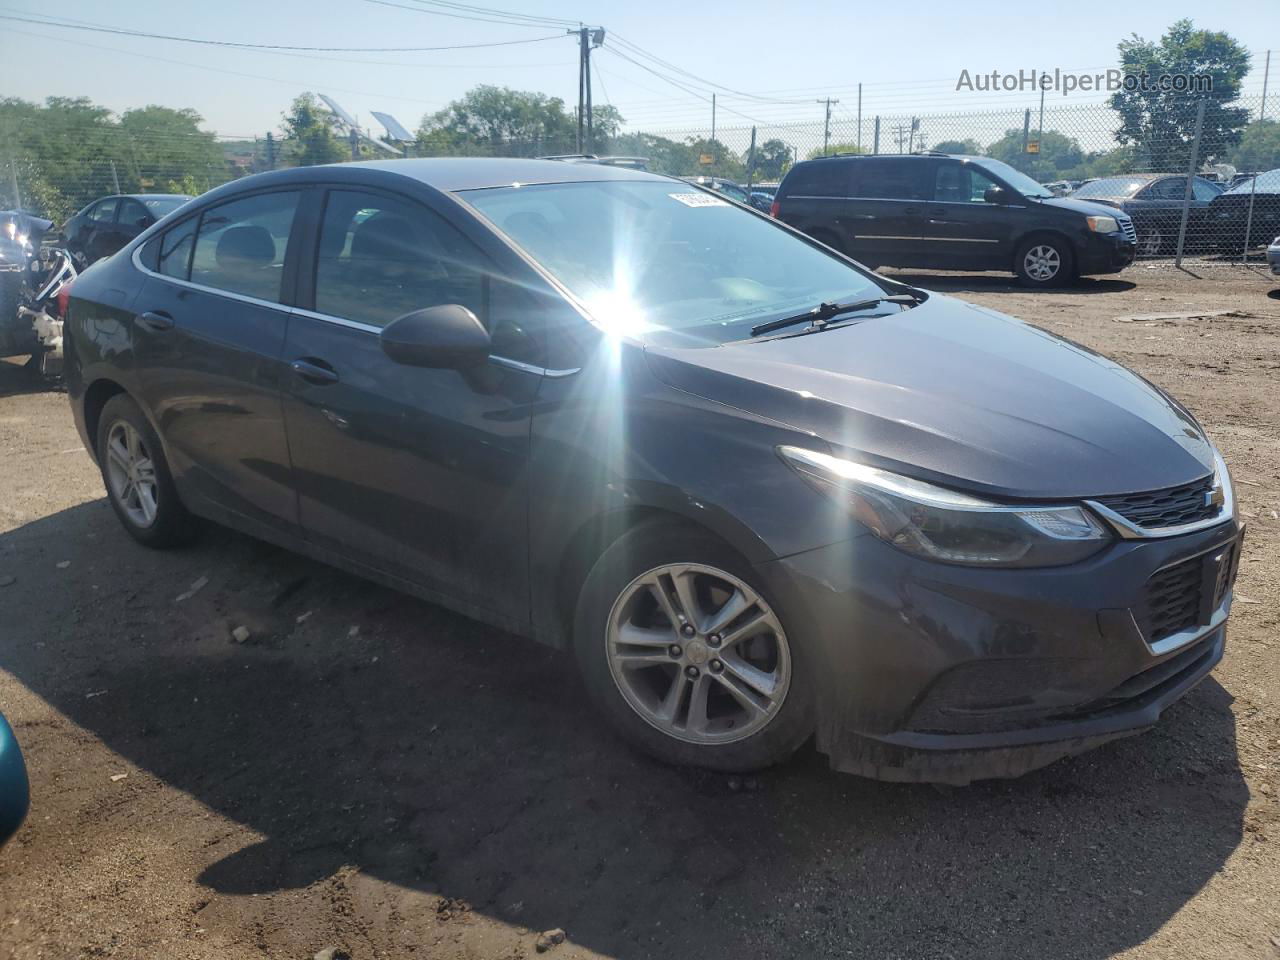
[(1044, 261), (137, 477), (731, 691)]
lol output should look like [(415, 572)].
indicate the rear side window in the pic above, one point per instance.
[(822, 178), (240, 245), (174, 259), (381, 257), (892, 179), (1172, 189)]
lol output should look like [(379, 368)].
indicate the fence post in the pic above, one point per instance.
[(1264, 103), (115, 178), (876, 148), (1026, 135), (1191, 172), (13, 179), (751, 160)]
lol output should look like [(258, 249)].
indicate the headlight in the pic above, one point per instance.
[(1103, 224), (939, 524)]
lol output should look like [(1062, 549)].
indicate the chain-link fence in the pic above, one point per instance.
[(1135, 159)]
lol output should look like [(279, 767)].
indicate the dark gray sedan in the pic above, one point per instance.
[(763, 495)]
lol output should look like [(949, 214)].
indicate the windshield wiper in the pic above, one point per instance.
[(823, 313)]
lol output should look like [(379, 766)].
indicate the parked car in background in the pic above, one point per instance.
[(1252, 205), (1273, 256), (1154, 202), (15, 794), (106, 225), (721, 185), (607, 160), (952, 213), (761, 493)]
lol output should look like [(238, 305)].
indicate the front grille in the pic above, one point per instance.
[(1130, 233), (1166, 508), (1172, 600)]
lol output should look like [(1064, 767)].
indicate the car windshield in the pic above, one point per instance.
[(667, 262), (1268, 182), (160, 206), (1019, 181), (1111, 187)]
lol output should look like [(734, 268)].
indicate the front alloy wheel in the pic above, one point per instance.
[(698, 654), (1042, 263)]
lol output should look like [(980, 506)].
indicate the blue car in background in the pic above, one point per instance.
[(14, 792)]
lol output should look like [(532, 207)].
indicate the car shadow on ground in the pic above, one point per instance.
[(1003, 283), (16, 380), (438, 755)]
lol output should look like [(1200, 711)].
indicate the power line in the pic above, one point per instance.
[(462, 16), (706, 99), (267, 46), (492, 12), (640, 51)]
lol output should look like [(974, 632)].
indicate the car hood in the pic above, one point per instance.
[(958, 394), (1088, 208)]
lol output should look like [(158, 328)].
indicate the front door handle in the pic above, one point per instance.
[(156, 320), (314, 371)]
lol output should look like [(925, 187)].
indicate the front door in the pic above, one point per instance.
[(962, 229), (417, 472), (208, 335)]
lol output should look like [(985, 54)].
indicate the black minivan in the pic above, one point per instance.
[(952, 213)]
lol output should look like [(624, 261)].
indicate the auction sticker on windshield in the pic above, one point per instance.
[(698, 200)]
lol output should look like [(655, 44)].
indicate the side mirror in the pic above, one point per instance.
[(996, 195), (444, 337)]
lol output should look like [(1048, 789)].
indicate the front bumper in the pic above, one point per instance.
[(930, 672), (1105, 253)]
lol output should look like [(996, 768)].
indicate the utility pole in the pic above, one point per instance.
[(751, 160), (713, 116), (826, 128), (115, 177), (876, 149), (588, 39), (1266, 77), (355, 144), (13, 179), (271, 151)]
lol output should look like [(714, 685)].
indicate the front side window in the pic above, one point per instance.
[(961, 183), (664, 261), (381, 257), (240, 245), (134, 214), (104, 212)]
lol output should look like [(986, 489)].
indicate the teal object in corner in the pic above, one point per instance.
[(14, 791)]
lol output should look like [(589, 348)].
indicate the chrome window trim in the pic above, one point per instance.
[(231, 294), (940, 203), (338, 321)]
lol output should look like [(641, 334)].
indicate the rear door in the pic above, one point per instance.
[(209, 334), (131, 219), (962, 229), (93, 236), (886, 213), (814, 197), (417, 472)]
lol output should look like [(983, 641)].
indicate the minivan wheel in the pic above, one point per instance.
[(682, 650), (1151, 243), (1044, 262), (139, 484)]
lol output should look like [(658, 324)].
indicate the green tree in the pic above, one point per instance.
[(498, 121), (1162, 124), (966, 147), (664, 155), (165, 147), (1259, 147), (724, 162), (63, 151), (310, 133), (772, 161), (1058, 154), (833, 148), (1109, 163)]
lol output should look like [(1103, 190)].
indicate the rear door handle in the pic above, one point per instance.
[(314, 371), (156, 320)]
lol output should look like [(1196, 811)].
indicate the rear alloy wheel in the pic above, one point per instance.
[(137, 477), (1043, 262), (684, 652)]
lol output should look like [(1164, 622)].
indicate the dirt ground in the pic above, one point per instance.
[(373, 773)]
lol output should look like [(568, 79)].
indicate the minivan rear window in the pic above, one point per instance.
[(890, 178)]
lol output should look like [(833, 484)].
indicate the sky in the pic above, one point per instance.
[(766, 62)]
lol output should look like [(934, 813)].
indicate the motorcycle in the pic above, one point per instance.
[(34, 283)]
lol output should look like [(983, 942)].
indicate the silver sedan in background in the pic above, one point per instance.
[(1273, 256)]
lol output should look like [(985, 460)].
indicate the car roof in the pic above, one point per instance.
[(477, 173), (151, 196)]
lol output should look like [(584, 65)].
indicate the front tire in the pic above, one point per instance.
[(136, 473), (682, 650), (1044, 262)]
